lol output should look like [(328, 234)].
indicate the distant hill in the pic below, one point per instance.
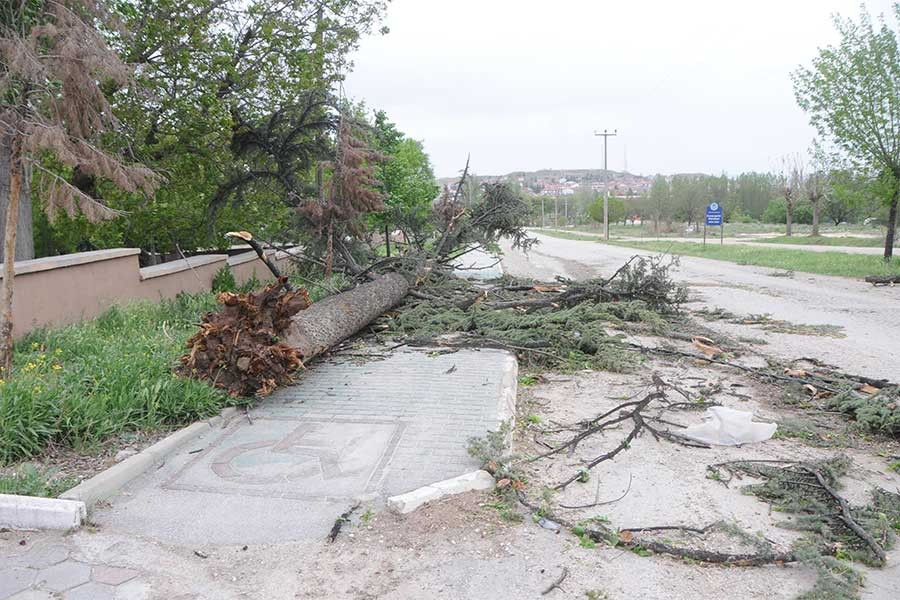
[(561, 182), (577, 175)]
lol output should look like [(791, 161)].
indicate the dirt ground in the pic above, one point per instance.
[(467, 547)]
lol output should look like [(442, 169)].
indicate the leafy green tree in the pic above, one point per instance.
[(753, 192), (660, 204), (408, 184), (855, 196), (852, 95), (616, 208), (689, 195), (237, 112)]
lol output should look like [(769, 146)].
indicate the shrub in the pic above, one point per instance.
[(223, 281)]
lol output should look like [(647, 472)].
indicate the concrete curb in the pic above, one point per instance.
[(106, 483), (506, 407), (29, 512), (410, 501)]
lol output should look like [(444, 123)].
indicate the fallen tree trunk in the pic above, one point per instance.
[(256, 341), (327, 323), (883, 279)]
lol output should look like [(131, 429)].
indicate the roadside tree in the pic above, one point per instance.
[(56, 73), (851, 92)]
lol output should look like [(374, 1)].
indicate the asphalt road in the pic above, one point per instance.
[(869, 316)]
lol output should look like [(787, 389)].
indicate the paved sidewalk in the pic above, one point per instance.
[(346, 431)]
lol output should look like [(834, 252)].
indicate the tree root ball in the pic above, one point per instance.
[(238, 348)]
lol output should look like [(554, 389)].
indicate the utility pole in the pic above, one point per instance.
[(606, 135)]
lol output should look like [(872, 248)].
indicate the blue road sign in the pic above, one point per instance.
[(714, 214)]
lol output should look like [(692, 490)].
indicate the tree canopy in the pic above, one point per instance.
[(851, 92)]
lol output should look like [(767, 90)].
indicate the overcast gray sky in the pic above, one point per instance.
[(692, 86)]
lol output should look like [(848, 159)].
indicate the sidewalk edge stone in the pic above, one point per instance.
[(410, 501), (30, 512)]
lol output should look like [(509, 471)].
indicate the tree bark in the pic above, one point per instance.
[(327, 323), (9, 256), (816, 207), (24, 231), (789, 212), (891, 225)]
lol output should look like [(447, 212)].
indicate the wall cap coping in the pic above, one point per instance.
[(23, 267), (176, 266), (245, 257)]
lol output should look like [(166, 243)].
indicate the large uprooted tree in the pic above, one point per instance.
[(348, 191)]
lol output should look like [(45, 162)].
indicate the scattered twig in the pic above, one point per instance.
[(846, 517), (605, 502), (339, 522), (556, 584)]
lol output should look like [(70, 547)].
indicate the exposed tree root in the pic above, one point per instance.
[(238, 348)]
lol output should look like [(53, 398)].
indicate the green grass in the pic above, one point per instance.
[(820, 240), (568, 235), (821, 263), (82, 384), (31, 480), (731, 230)]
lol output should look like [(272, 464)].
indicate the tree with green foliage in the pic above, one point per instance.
[(616, 208), (237, 112), (753, 192), (659, 206), (408, 184), (689, 194), (852, 95)]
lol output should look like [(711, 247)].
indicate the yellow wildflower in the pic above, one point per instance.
[(57, 367)]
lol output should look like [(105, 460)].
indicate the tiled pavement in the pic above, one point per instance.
[(46, 570)]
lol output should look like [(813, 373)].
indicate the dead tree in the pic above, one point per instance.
[(790, 186), (352, 192), (817, 184), (54, 68)]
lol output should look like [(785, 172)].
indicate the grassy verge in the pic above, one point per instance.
[(821, 263), (820, 240), (82, 384), (32, 480), (569, 235)]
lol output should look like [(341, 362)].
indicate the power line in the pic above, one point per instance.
[(606, 135)]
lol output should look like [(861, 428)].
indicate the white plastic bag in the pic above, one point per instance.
[(728, 427)]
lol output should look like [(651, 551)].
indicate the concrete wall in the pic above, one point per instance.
[(60, 290)]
